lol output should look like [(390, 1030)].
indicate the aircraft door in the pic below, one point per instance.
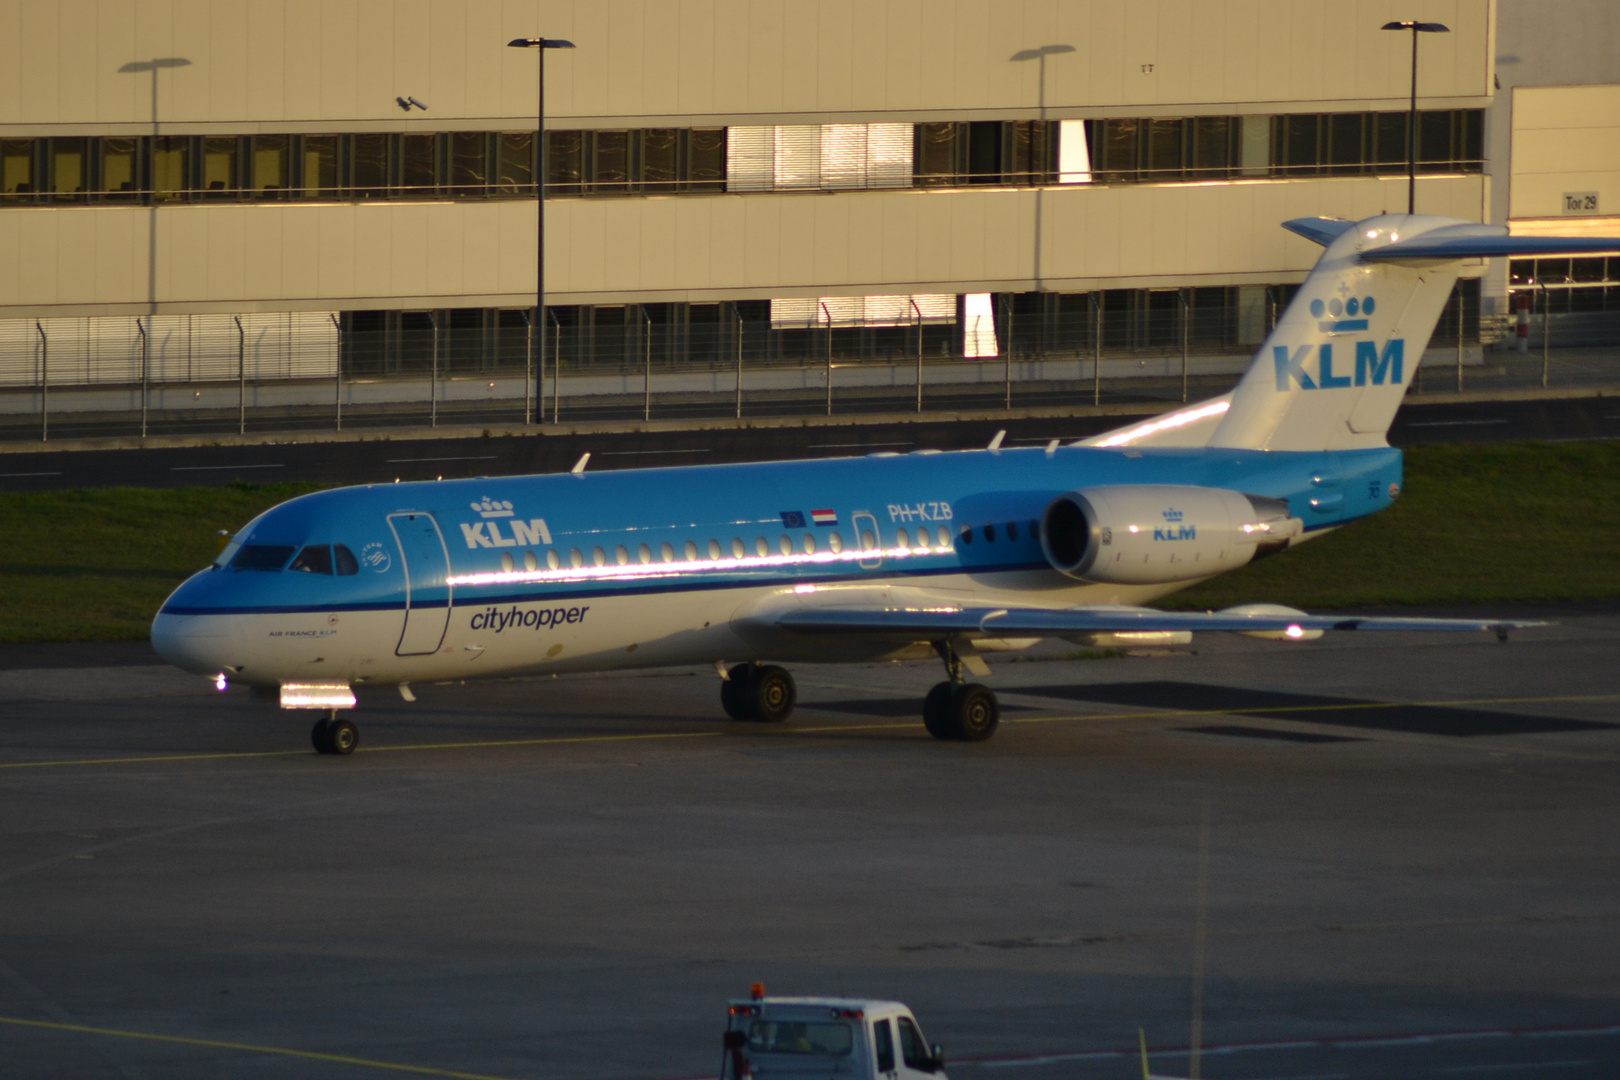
[(427, 587), (868, 541)]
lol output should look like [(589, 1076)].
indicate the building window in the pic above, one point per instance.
[(70, 169), (985, 152), (171, 167), (219, 156), (320, 167), (368, 166), (515, 168), (418, 166), (16, 168), (121, 169), (271, 157), (818, 157)]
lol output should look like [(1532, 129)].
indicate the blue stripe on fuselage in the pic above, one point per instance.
[(744, 502)]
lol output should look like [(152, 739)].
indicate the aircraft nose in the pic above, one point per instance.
[(204, 644)]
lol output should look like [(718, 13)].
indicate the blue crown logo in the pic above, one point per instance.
[(1172, 515), (1335, 308), (491, 508)]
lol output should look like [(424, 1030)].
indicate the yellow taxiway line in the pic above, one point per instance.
[(247, 1048), (654, 736)]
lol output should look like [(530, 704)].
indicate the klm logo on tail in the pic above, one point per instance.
[(1371, 366)]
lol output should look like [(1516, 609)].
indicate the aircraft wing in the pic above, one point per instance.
[(918, 623)]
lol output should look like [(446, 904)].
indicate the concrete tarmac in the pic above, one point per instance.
[(1411, 866)]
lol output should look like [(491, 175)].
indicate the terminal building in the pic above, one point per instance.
[(339, 198)]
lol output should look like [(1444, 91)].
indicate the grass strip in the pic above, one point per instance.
[(1495, 523)]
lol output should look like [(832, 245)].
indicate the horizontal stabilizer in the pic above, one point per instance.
[(1472, 244), (924, 622), (1319, 230)]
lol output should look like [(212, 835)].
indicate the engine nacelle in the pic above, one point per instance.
[(1151, 534)]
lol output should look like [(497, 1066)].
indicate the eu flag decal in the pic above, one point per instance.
[(792, 519)]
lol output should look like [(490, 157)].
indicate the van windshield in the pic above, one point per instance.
[(821, 1038)]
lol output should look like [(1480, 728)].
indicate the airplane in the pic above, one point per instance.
[(950, 554)]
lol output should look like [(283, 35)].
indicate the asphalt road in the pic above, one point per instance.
[(1411, 867), (381, 460)]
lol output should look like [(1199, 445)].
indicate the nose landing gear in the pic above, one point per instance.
[(334, 736), (957, 710), (758, 692)]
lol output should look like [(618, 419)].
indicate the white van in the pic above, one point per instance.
[(796, 1038)]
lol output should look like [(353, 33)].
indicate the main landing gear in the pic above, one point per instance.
[(333, 736), (758, 692), (957, 710)]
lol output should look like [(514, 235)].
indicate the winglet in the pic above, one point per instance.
[(1318, 230), (579, 466), (995, 443)]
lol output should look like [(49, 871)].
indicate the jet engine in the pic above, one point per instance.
[(1151, 534)]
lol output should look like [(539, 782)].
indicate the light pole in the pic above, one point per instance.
[(540, 195), (1412, 116)]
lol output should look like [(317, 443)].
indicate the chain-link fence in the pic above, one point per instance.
[(219, 374)]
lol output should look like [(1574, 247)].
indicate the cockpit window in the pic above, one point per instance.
[(346, 562), (262, 557), (315, 559)]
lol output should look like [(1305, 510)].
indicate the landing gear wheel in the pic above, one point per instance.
[(317, 736), (772, 694), (936, 712), (734, 691), (342, 737), (974, 712)]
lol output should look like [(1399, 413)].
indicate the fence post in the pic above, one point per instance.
[(529, 388), (827, 313), (337, 378), (433, 375), (241, 376), (1186, 318), (1546, 331), (737, 311), (556, 368), (44, 384), (1006, 362), (1459, 291), (1096, 348), (646, 401), (918, 312), (144, 339)]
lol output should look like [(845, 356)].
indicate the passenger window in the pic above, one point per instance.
[(575, 557), (667, 551), (883, 1043), (912, 1048), (315, 559), (902, 538), (835, 542), (691, 551), (347, 564), (644, 553), (506, 562), (621, 555), (553, 560), (944, 538), (761, 547), (1034, 529), (1012, 530), (737, 548), (598, 557), (714, 550), (989, 534), (809, 543), (868, 540), (967, 534), (262, 557), (530, 562)]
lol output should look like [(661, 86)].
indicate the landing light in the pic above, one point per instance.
[(1295, 632), (219, 682)]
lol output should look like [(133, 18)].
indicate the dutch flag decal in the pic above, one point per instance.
[(824, 518)]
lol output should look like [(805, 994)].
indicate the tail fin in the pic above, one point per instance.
[(1333, 371)]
